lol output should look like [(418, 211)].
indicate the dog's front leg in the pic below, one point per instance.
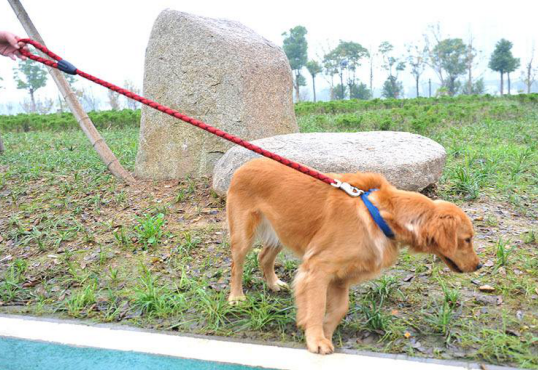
[(337, 306), (311, 297)]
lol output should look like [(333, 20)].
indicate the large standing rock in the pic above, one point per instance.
[(219, 72), (408, 161)]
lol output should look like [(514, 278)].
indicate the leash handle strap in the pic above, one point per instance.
[(67, 67)]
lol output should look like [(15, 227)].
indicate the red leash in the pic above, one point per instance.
[(67, 67)]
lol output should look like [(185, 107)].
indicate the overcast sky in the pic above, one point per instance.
[(108, 38)]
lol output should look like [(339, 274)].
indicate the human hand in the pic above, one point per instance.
[(10, 47)]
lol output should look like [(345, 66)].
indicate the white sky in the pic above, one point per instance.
[(108, 38)]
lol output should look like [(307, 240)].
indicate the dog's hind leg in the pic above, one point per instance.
[(337, 306), (242, 231), (266, 259)]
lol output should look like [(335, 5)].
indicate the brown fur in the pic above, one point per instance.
[(335, 236)]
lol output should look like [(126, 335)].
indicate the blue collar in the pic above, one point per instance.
[(374, 212)]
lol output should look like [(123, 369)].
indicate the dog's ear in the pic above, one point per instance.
[(440, 234)]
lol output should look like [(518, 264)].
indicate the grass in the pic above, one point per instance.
[(74, 242)]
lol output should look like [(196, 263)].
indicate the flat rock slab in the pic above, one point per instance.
[(408, 161)]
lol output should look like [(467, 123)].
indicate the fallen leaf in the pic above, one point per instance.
[(30, 284), (9, 257), (489, 263), (408, 278), (407, 335), (486, 288), (394, 312)]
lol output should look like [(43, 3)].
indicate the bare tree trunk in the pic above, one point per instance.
[(314, 87), (32, 98), (418, 95), (430, 88), (502, 83), (342, 85), (530, 78), (84, 121), (297, 95), (508, 77), (371, 75), (470, 81), (2, 149), (528, 82)]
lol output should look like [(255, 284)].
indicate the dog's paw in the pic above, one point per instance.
[(279, 285), (322, 346), (235, 300)]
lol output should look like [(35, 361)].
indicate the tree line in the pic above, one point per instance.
[(452, 60), (31, 76)]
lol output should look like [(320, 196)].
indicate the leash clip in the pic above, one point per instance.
[(350, 190)]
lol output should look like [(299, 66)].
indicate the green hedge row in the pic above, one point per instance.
[(423, 111), (66, 121), (348, 106)]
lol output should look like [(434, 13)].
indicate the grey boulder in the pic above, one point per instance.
[(408, 161), (216, 71)]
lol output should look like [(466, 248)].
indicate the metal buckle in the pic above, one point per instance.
[(350, 190)]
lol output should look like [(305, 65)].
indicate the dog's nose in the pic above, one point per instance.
[(479, 266)]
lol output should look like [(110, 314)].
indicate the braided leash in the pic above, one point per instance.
[(67, 67)]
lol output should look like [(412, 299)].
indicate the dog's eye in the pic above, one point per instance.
[(468, 240)]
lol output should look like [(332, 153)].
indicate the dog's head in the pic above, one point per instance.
[(449, 235)]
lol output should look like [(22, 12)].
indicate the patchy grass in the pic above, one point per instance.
[(74, 242)]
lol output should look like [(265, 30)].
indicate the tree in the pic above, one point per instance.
[(434, 31), (344, 60), (502, 60), (470, 87), (372, 57), (90, 101), (328, 71), (416, 59), (113, 100), (478, 87), (392, 88), (360, 91), (39, 106), (528, 75), (34, 77), (340, 92), (130, 103), (62, 103), (446, 56), (314, 68), (449, 56), (512, 66), (295, 47)]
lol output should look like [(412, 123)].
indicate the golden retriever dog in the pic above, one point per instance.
[(335, 236)]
